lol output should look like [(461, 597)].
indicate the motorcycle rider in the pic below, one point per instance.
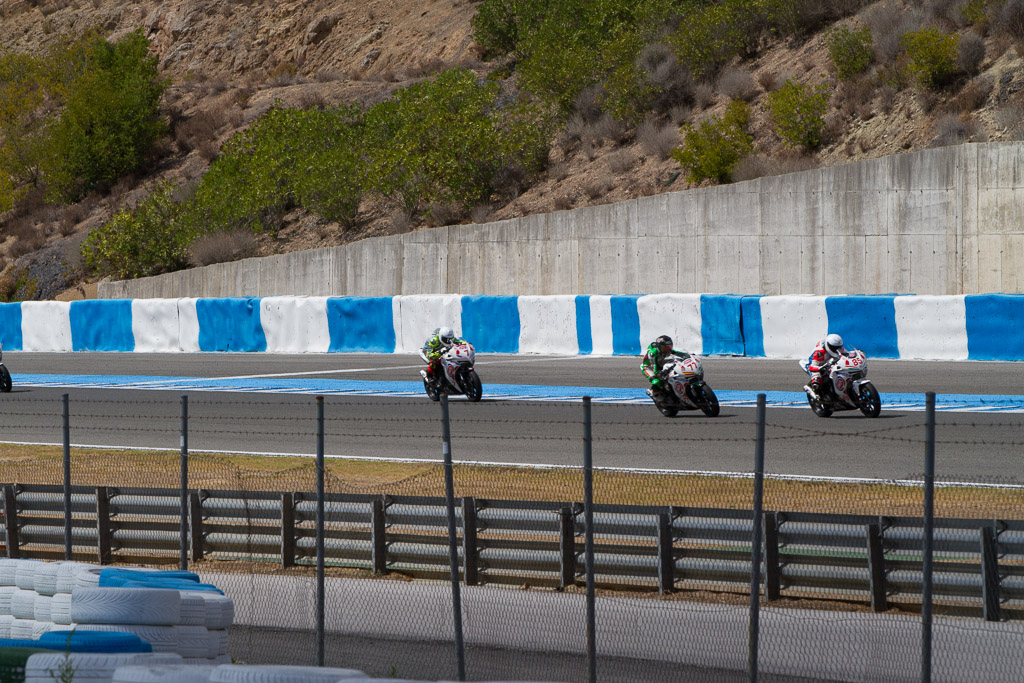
[(825, 354), (655, 356), (442, 339)]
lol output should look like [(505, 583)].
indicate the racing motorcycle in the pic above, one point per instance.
[(684, 388), (459, 377), (849, 389), (5, 375)]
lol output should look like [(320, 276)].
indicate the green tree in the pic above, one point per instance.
[(712, 149), (932, 54), (110, 118), (798, 112), (850, 50), (150, 240)]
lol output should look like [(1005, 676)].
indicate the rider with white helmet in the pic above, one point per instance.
[(442, 339), (827, 352)]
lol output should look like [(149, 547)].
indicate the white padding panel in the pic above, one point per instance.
[(188, 326), (932, 327), (295, 324), (46, 326), (601, 325), (422, 314), (547, 324), (677, 315), (155, 325), (792, 325)]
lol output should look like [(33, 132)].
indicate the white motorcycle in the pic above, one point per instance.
[(686, 389), (849, 388), (459, 375)]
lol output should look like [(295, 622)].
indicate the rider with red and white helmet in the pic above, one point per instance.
[(825, 354)]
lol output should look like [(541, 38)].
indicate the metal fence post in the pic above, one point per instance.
[(588, 535), (926, 549), (453, 545), (66, 414), (989, 575), (755, 550), (287, 531), (319, 530), (103, 530), (11, 521), (469, 541), (183, 530), (876, 567)]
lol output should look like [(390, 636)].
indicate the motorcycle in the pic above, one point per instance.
[(684, 377), (849, 387), (458, 375), (5, 375)]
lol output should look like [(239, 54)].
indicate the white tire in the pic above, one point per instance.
[(60, 608), (193, 609), (23, 604), (194, 641), (8, 571), (45, 667), (22, 629), (136, 673), (208, 661), (232, 673), (25, 574), (6, 593), (42, 608), (5, 625), (164, 639), (149, 606), (219, 638), (41, 627), (45, 581), (220, 609), (86, 576)]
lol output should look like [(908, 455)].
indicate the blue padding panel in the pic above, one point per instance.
[(230, 325), (102, 325), (584, 336), (720, 328), (361, 324), (491, 323), (995, 326), (10, 326), (93, 641), (750, 321), (625, 326), (867, 323)]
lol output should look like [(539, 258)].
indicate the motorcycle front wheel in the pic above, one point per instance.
[(5, 379), (708, 401), (819, 408), (471, 386), (870, 402), (432, 392)]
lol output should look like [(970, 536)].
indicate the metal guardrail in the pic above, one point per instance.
[(979, 563)]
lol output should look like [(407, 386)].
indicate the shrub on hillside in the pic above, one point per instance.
[(798, 112), (970, 53), (657, 139), (1011, 18), (933, 56), (221, 247), (712, 149), (850, 50), (149, 240), (737, 83), (110, 119)]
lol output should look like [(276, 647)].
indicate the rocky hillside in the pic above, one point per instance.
[(228, 61)]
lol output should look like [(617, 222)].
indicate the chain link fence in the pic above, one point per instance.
[(855, 580)]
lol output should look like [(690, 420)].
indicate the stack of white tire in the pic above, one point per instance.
[(36, 597)]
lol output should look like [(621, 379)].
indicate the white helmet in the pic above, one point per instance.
[(446, 334), (833, 343)]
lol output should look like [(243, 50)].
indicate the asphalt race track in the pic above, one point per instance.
[(265, 404)]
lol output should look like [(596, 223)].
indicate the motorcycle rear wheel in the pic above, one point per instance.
[(709, 402), (667, 411), (819, 408), (472, 386), (5, 379), (432, 392), (870, 402)]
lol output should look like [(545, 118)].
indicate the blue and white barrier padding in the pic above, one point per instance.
[(974, 327)]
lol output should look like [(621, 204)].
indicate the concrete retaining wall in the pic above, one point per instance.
[(884, 326), (942, 221)]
